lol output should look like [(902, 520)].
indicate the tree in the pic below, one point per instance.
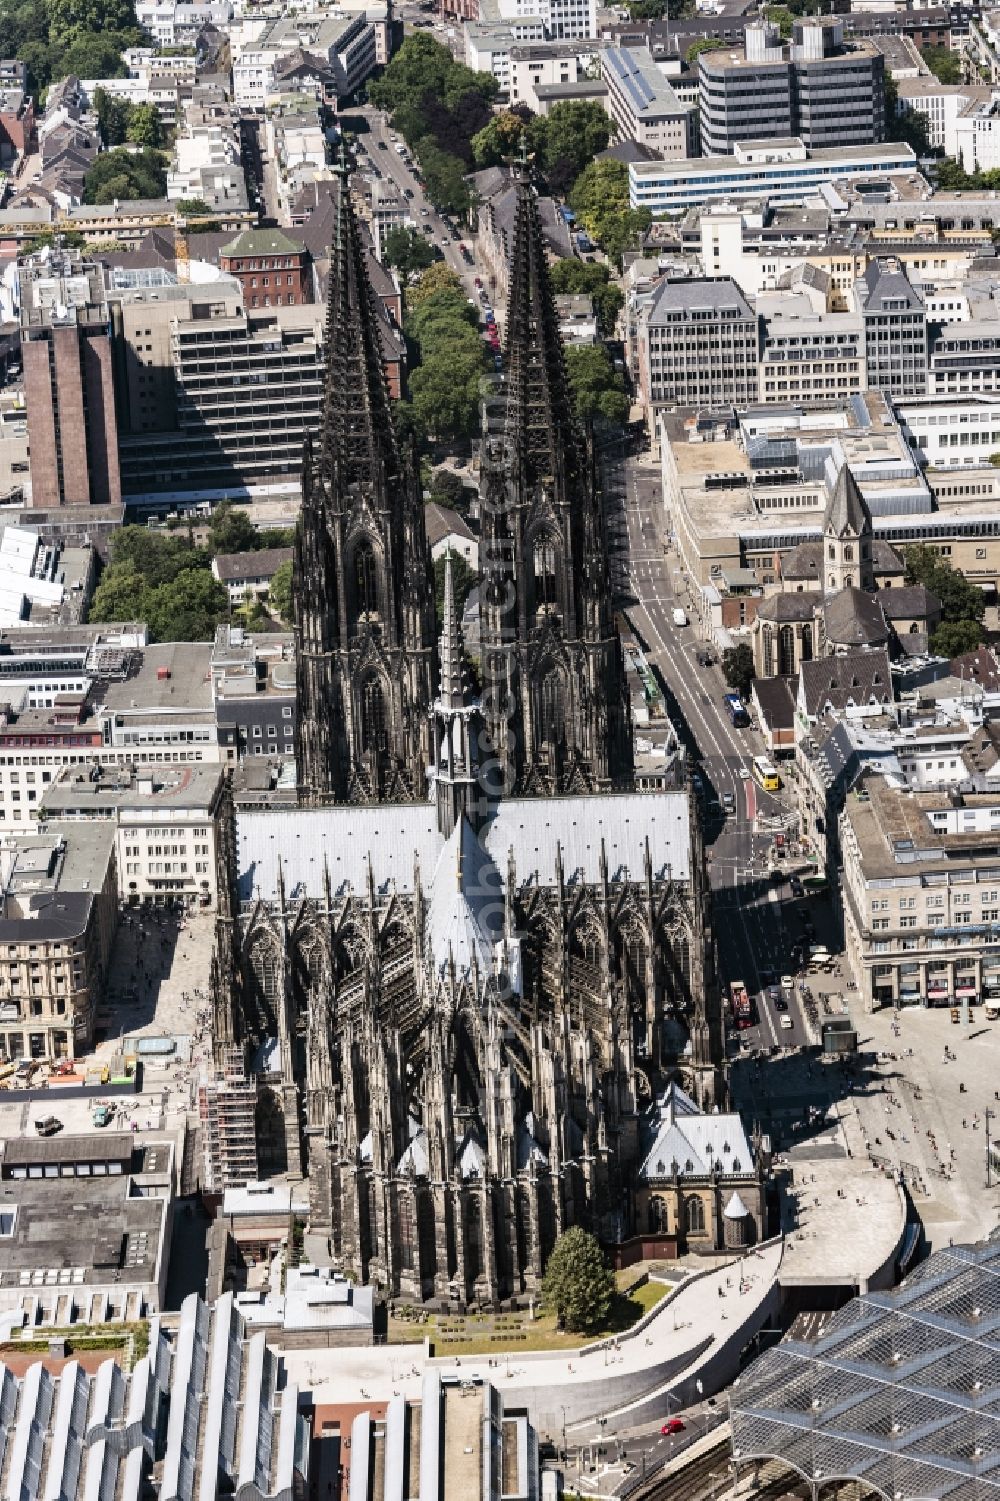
[(69, 18), (279, 592), (447, 489), (145, 127), (578, 1286), (600, 200), (444, 178), (463, 581), (156, 557), (954, 637), (187, 609), (943, 63), (231, 530), (445, 390), (782, 17), (960, 600), (738, 668), (568, 138), (501, 138), (703, 44), (125, 174), (598, 389), (192, 208), (437, 278), (408, 251), (590, 279), (91, 55), (112, 117), (121, 595)]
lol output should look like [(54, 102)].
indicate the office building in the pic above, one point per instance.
[(812, 359), (782, 171), (895, 323), (224, 396), (346, 43), (826, 92), (58, 917), (272, 269), (643, 105), (698, 346), (87, 1221), (921, 893), (69, 387), (562, 20), (165, 820), (253, 685)]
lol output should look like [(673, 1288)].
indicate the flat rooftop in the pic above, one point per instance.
[(174, 677), (176, 788), (79, 1230), (896, 836)]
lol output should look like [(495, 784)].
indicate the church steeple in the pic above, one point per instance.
[(847, 537), (454, 743), (358, 437), (557, 716), (540, 422), (363, 587)]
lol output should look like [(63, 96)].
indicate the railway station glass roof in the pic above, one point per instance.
[(900, 1392)]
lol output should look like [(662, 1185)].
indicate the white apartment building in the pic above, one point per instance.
[(176, 23), (563, 20), (964, 359), (643, 105), (977, 134), (533, 63), (166, 825), (940, 105), (346, 43), (952, 432)]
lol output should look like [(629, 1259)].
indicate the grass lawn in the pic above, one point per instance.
[(491, 1334)]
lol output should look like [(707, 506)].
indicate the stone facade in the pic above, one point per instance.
[(477, 997)]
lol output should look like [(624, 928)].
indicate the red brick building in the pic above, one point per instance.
[(70, 396), (272, 269)]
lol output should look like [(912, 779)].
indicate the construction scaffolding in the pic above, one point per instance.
[(227, 1104)]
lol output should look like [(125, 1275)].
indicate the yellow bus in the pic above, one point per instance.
[(765, 774)]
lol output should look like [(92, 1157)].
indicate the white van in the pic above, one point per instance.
[(680, 618)]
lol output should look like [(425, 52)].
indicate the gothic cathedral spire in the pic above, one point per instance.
[(555, 705), (363, 590)]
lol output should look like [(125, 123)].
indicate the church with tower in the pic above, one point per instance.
[(476, 962), (845, 593)]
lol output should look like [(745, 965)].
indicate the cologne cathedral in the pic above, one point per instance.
[(474, 957)]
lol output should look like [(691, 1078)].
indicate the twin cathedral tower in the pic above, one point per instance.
[(553, 713), (476, 955)]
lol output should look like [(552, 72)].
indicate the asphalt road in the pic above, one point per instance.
[(377, 149), (756, 918)]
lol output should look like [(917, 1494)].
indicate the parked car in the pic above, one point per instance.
[(796, 885)]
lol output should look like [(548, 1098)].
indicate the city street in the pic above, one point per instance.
[(378, 144), (755, 916)]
